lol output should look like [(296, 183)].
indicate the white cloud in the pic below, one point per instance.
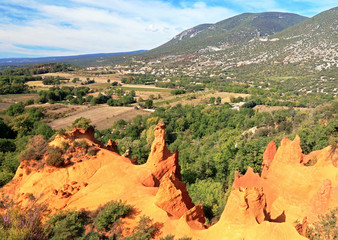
[(89, 26)]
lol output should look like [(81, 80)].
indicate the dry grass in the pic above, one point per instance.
[(200, 97), (14, 98), (263, 108), (102, 116)]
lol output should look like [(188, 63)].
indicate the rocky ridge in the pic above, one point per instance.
[(259, 207)]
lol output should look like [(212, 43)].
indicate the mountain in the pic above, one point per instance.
[(233, 31), (76, 59), (269, 206), (248, 49)]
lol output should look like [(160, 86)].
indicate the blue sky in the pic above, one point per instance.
[(36, 28)]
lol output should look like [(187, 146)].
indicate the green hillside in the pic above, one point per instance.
[(229, 32)]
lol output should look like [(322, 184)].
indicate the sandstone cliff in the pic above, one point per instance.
[(259, 207)]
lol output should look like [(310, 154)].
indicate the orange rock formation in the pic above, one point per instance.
[(258, 207)]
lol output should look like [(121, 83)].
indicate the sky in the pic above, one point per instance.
[(38, 28)]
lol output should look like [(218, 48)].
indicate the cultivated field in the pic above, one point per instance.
[(102, 116), (263, 108), (199, 98), (83, 76), (15, 98)]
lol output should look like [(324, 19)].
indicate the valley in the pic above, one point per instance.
[(227, 131)]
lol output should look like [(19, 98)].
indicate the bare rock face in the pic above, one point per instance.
[(173, 197), (268, 156), (289, 152), (112, 146), (249, 180), (302, 227), (255, 203), (195, 218), (322, 198), (76, 133), (161, 161)]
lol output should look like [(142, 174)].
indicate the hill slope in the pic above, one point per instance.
[(229, 32)]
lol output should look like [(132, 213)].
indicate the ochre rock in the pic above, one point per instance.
[(256, 203), (195, 218), (268, 156), (173, 197), (76, 133), (249, 180), (112, 146), (257, 208), (161, 161)]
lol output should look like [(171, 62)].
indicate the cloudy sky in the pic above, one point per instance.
[(35, 28)]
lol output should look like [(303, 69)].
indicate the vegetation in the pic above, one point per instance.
[(110, 213), (66, 225), (19, 224), (326, 228), (145, 230), (55, 157), (214, 141), (83, 123)]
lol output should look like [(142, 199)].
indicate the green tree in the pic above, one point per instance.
[(148, 103), (218, 100)]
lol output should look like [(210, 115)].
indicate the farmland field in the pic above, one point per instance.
[(102, 116)]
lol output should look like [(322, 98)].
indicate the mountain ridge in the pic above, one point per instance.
[(231, 31)]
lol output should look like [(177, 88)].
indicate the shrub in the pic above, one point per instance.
[(64, 145), (15, 109), (81, 144), (9, 161), (18, 224), (55, 157), (326, 228), (92, 236), (148, 103), (261, 132), (110, 213), (82, 122), (250, 104), (7, 145), (35, 149), (5, 177), (168, 237), (5, 130), (66, 225), (145, 230), (92, 151)]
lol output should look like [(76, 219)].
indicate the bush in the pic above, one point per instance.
[(66, 225), (81, 144), (7, 145), (55, 157), (92, 151), (148, 103), (82, 122), (145, 230), (168, 237), (92, 236), (15, 109), (18, 224), (35, 149), (210, 194), (5, 177), (110, 213), (41, 128), (5, 130), (250, 104), (9, 161), (326, 228)]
